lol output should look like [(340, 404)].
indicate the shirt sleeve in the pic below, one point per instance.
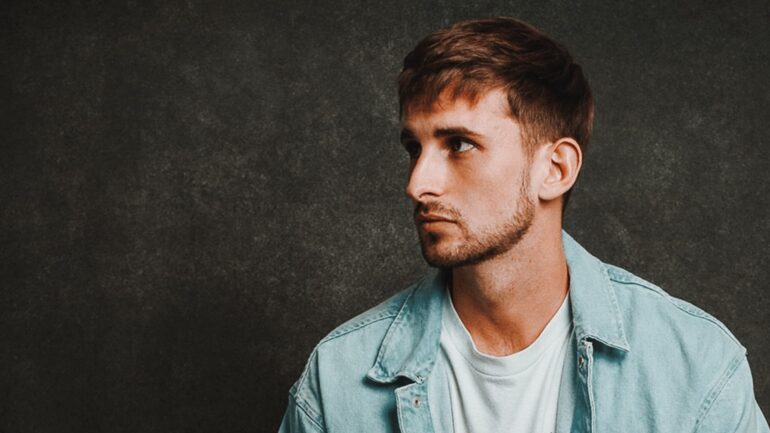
[(733, 407)]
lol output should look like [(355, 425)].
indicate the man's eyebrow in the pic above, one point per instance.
[(407, 134), (456, 130)]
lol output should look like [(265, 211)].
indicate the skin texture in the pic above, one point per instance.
[(461, 153), (491, 212)]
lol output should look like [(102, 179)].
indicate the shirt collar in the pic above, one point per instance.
[(411, 343), (410, 346), (595, 311)]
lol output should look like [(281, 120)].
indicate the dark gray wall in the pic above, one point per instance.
[(192, 194)]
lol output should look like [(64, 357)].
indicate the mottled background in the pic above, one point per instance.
[(193, 193)]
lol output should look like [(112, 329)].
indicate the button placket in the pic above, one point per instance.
[(588, 367), (585, 379), (412, 408)]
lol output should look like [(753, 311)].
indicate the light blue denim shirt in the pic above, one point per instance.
[(642, 361)]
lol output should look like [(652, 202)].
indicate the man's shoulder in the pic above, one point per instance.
[(684, 362), (375, 320), (634, 291), (354, 344), (657, 323)]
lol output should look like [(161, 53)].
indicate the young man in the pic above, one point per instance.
[(520, 329)]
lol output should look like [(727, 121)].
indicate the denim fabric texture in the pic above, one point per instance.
[(642, 361)]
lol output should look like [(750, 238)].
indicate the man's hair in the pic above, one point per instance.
[(547, 92)]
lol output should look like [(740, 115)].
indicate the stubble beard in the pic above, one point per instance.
[(482, 245)]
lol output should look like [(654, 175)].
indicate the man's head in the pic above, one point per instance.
[(496, 116), (547, 93)]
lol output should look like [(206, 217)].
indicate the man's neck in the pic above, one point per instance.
[(506, 302)]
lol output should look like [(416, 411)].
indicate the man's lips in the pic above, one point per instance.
[(431, 218)]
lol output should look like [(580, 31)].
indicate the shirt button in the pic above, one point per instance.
[(416, 402), (581, 361)]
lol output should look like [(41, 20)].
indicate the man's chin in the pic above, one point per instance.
[(445, 250), (441, 250), (441, 256), (439, 261), (442, 253)]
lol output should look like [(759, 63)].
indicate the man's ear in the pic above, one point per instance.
[(563, 158)]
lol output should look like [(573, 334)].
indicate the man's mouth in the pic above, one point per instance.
[(431, 218)]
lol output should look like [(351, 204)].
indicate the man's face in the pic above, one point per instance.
[(469, 180)]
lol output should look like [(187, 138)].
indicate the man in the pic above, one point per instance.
[(520, 329)]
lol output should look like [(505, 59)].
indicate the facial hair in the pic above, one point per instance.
[(480, 245)]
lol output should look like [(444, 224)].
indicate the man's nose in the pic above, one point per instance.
[(428, 176)]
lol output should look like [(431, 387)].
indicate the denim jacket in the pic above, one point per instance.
[(642, 361)]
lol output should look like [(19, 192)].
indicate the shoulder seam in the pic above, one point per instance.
[(301, 382), (301, 403), (308, 412), (694, 313), (716, 391)]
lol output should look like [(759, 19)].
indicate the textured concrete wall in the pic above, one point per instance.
[(193, 193)]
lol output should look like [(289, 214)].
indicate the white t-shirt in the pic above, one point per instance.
[(514, 393)]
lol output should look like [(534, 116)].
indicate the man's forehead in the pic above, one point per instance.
[(447, 111)]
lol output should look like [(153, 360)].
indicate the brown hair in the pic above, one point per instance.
[(547, 92)]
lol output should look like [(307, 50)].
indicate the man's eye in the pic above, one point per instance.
[(459, 144), (412, 148)]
